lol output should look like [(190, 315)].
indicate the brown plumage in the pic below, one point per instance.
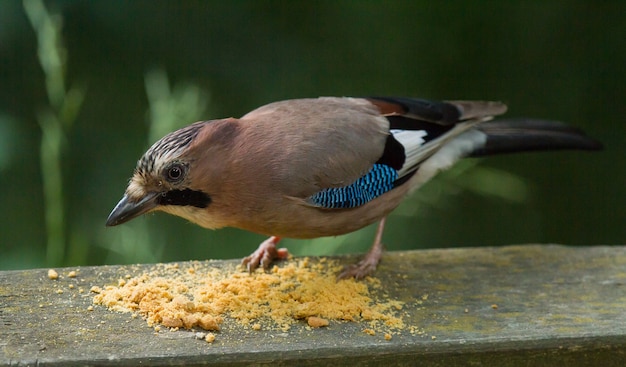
[(309, 168)]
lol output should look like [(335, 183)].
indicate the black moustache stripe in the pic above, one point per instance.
[(186, 197)]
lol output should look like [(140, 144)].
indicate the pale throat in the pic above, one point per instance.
[(193, 214)]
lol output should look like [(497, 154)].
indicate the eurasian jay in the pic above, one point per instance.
[(307, 168)]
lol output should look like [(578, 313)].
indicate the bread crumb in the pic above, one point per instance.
[(433, 337), (388, 336), (210, 337), (197, 295), (90, 308), (59, 291), (209, 322), (71, 274), (369, 332), (314, 321), (71, 286), (52, 274), (494, 306)]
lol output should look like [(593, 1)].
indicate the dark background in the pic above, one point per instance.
[(560, 60)]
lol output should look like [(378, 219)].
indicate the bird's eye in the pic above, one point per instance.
[(175, 173)]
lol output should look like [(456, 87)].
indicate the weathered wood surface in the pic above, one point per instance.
[(556, 305)]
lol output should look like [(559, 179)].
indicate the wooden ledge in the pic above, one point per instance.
[(505, 306)]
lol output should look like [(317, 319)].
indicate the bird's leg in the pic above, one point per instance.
[(264, 255), (368, 264)]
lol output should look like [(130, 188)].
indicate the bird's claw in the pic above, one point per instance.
[(369, 262), (359, 270), (264, 255)]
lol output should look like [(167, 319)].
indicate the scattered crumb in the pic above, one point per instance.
[(316, 321), (494, 306), (52, 274), (200, 335), (90, 308), (369, 332), (466, 310), (388, 336), (71, 274), (157, 328), (59, 291), (416, 331), (210, 337), (196, 295), (71, 286), (433, 337)]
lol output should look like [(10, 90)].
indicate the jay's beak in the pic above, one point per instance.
[(126, 210)]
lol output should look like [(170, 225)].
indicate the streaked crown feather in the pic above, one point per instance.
[(168, 148)]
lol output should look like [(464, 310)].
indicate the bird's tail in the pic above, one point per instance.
[(524, 135)]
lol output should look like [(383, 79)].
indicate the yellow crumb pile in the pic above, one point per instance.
[(194, 295)]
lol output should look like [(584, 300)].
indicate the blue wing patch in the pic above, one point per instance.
[(374, 183)]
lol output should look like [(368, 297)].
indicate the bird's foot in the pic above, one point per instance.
[(364, 267), (367, 266), (265, 254), (359, 270)]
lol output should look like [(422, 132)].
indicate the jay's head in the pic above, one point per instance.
[(173, 176)]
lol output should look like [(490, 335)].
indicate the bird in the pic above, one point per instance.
[(316, 167)]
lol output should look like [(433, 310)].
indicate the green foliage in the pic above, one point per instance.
[(55, 121), (172, 109)]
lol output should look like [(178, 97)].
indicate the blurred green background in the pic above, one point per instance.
[(86, 86)]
